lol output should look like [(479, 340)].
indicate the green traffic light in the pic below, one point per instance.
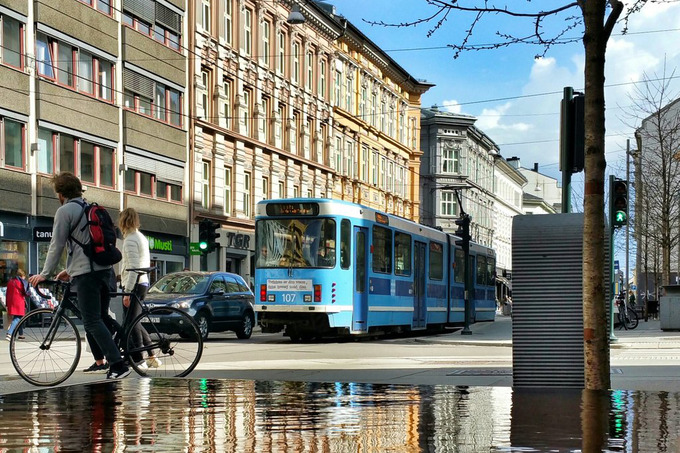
[(203, 245)]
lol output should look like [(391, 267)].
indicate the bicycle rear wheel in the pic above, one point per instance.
[(50, 351), (175, 345), (632, 320)]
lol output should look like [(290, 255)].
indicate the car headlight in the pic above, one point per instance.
[(183, 305)]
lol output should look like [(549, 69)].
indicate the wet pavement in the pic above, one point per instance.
[(196, 415)]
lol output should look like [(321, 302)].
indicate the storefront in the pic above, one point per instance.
[(15, 240), (168, 253), (238, 249)]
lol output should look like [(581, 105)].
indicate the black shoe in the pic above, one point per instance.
[(118, 371), (95, 367)]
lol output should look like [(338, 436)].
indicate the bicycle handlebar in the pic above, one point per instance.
[(49, 283)]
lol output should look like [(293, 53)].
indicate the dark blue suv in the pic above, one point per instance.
[(218, 301)]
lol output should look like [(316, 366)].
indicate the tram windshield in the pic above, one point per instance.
[(299, 242)]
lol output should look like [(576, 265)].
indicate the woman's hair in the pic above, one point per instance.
[(67, 184), (128, 220), (21, 273)]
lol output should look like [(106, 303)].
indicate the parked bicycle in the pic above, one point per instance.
[(627, 316), (50, 352)]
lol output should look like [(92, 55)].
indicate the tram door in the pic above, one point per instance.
[(360, 308), (419, 303)]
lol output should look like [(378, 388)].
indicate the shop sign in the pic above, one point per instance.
[(159, 245), (238, 240), (42, 234)]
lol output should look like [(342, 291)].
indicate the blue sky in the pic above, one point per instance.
[(525, 127)]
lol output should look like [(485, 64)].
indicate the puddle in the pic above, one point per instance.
[(195, 415)]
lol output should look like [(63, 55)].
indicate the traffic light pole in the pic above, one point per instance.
[(566, 142), (612, 279)]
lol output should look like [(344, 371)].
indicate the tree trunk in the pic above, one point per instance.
[(595, 327)]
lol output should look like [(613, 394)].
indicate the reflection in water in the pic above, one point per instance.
[(245, 416)]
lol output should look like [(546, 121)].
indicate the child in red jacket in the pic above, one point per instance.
[(16, 301)]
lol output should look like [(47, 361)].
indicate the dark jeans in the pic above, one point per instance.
[(93, 292), (139, 336)]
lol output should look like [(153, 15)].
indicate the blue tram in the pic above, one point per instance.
[(330, 267)]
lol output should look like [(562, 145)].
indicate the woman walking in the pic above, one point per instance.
[(135, 255), (17, 291)]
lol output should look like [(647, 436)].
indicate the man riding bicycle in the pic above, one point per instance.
[(89, 280)]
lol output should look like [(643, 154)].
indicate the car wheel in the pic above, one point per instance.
[(203, 325), (246, 330)]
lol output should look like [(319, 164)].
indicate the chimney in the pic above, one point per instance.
[(536, 167), (514, 162)]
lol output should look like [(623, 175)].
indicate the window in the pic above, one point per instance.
[(228, 25), (296, 191), (74, 68), (337, 89), (374, 106), (449, 204), (459, 266), (156, 21), (282, 189), (12, 140), (247, 109), (11, 42), (281, 53), (383, 116), (146, 183), (402, 254), (345, 243), (481, 270), (279, 120), (382, 250), (87, 162), (490, 271), (205, 94), (363, 101), (374, 168), (310, 71), (151, 98), (226, 107), (322, 79), (246, 194), (227, 191), (45, 151), (349, 93), (101, 5), (265, 188), (401, 126), (247, 31), (296, 63), (364, 163), (266, 31), (436, 261), (205, 15), (266, 118), (205, 185), (450, 158), (66, 153)]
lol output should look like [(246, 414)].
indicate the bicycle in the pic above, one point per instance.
[(50, 351), (628, 318)]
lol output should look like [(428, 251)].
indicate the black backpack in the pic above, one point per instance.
[(102, 246)]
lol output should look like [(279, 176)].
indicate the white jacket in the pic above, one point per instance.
[(135, 255)]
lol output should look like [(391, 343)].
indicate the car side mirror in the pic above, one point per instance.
[(219, 292)]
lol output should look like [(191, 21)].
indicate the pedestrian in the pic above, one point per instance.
[(89, 280), (15, 299), (135, 256), (631, 298)]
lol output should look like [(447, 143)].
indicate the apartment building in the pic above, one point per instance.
[(95, 87), (282, 110), (458, 157)]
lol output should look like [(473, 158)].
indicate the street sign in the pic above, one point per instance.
[(194, 249), (633, 287), (616, 265)]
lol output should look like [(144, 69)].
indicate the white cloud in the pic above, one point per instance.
[(451, 106)]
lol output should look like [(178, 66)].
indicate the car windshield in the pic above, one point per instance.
[(181, 283), (301, 242)]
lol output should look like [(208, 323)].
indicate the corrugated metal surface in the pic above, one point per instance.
[(547, 263)]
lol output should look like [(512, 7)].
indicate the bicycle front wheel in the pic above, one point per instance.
[(632, 320), (50, 350), (171, 343)]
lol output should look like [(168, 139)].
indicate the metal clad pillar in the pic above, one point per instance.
[(547, 325)]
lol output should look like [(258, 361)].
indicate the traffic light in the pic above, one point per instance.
[(618, 205), (207, 236), (463, 232)]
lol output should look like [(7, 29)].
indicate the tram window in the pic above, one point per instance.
[(436, 261), (481, 270), (345, 243), (382, 250), (490, 271), (402, 254), (459, 267)]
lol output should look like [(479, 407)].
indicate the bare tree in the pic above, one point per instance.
[(596, 18), (656, 113)]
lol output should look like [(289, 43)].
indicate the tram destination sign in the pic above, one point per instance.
[(306, 209), (289, 285)]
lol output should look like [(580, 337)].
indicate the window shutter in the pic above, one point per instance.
[(168, 18), (144, 9), (138, 83)]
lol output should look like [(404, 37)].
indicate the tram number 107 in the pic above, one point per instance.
[(288, 297)]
